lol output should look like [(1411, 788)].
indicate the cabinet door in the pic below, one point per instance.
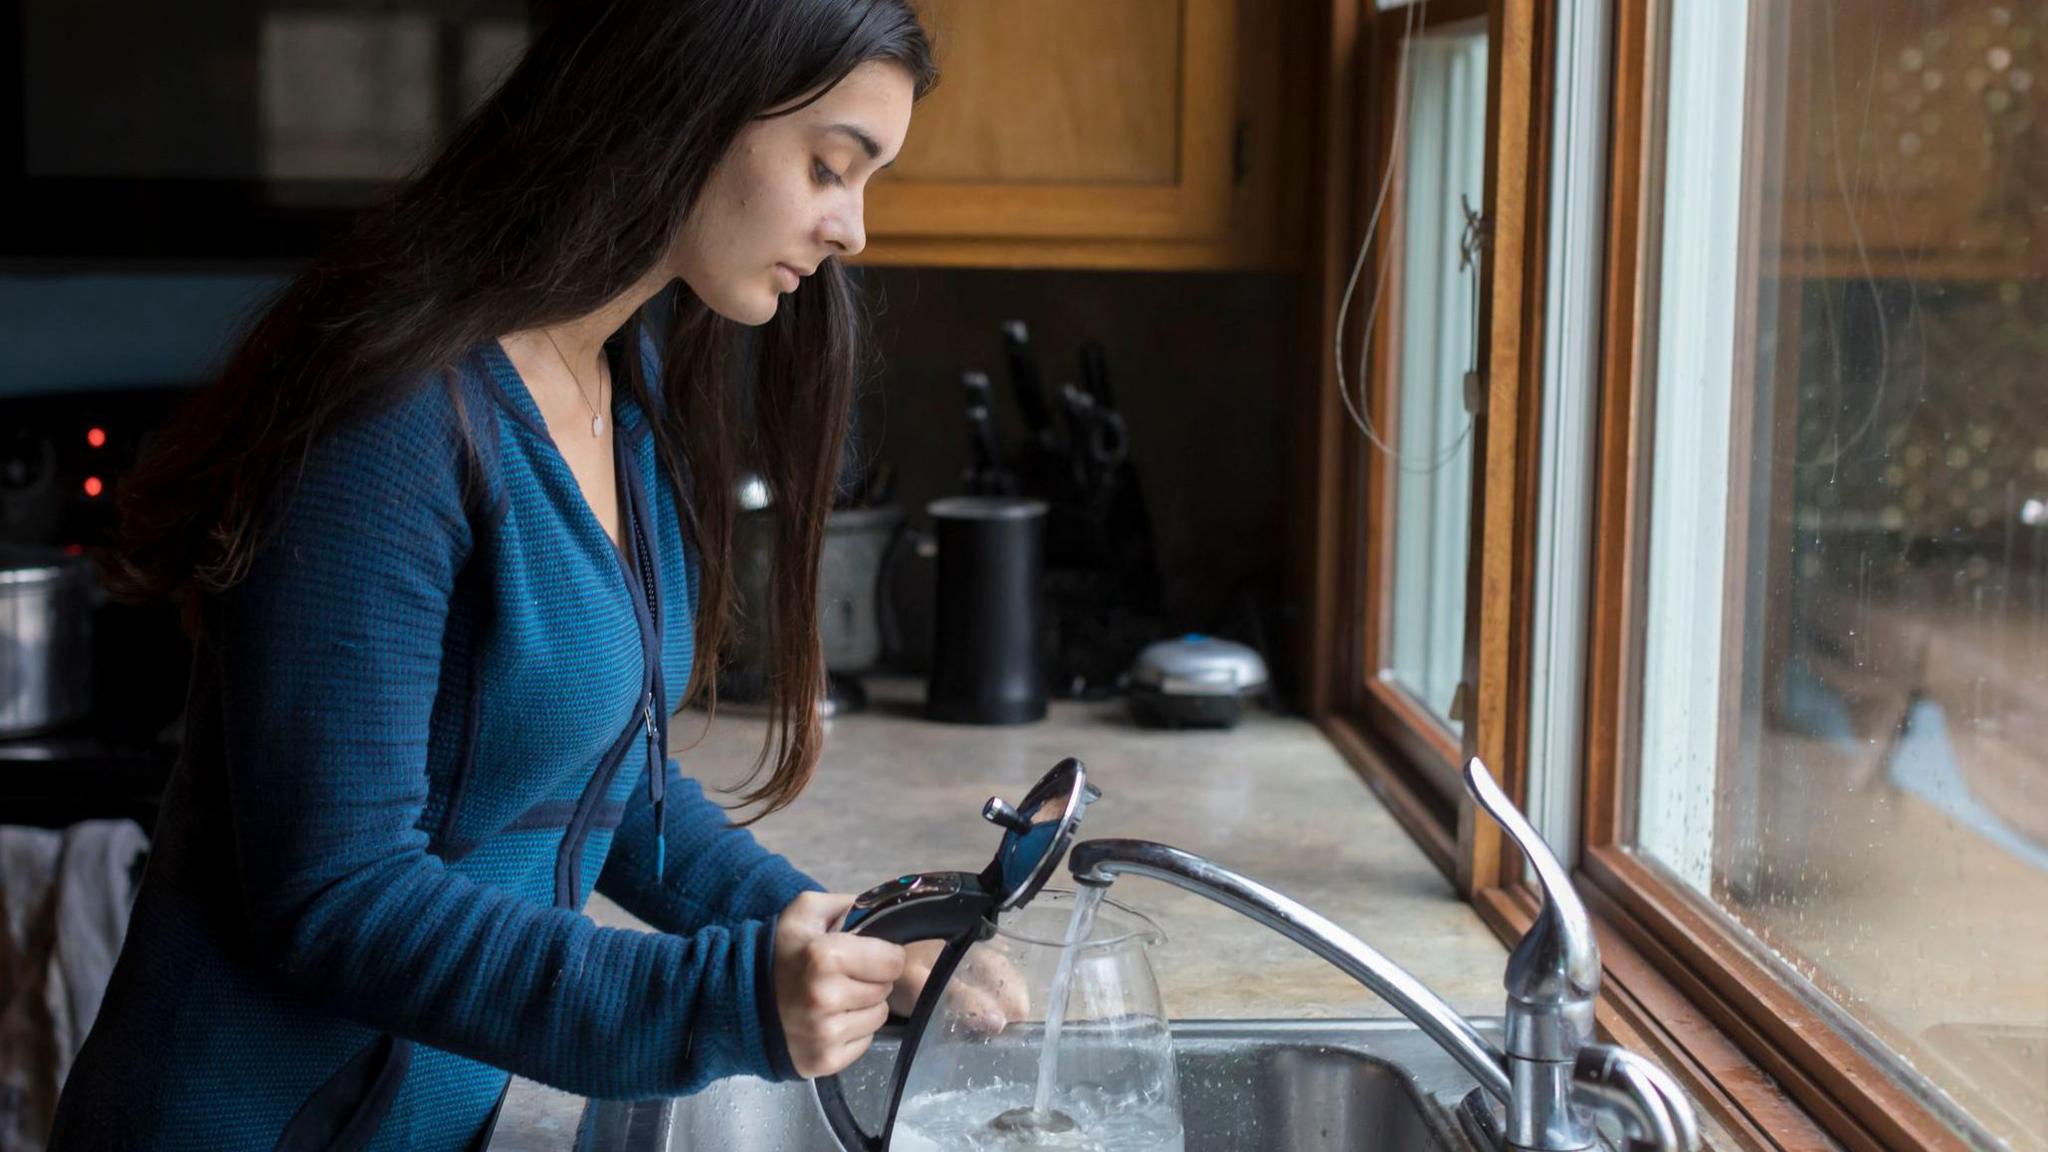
[(1082, 119)]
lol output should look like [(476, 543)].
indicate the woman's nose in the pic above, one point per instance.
[(847, 230)]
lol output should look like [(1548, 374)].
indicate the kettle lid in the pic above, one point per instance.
[(1036, 833)]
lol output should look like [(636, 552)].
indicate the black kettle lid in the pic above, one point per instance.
[(1037, 833)]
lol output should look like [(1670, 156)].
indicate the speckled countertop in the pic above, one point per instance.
[(1270, 798)]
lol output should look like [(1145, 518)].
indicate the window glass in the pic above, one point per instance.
[(1844, 702), (1437, 276)]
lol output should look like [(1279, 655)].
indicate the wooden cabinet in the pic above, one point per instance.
[(1105, 133)]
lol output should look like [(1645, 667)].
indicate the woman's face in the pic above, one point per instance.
[(788, 194)]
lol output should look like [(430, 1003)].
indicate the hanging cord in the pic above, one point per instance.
[(1472, 245), (1839, 449), (1470, 248)]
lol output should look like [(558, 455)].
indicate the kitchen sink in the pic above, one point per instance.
[(1246, 1086)]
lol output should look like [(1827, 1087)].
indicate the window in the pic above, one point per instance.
[(1754, 533), (1837, 745), (1435, 311), (1419, 290)]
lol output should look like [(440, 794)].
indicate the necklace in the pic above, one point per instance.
[(596, 418)]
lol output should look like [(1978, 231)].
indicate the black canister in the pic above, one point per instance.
[(988, 665)]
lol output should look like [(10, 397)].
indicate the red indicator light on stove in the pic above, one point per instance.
[(93, 487), (97, 437)]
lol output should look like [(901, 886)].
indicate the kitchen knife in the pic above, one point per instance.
[(1080, 411), (1095, 375), (982, 470), (1025, 382)]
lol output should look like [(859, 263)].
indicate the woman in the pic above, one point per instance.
[(452, 536)]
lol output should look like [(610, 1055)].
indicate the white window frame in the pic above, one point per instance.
[(1686, 579)]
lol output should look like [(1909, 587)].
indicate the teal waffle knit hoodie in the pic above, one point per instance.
[(418, 733)]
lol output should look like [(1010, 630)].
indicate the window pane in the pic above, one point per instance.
[(1443, 173), (1844, 736)]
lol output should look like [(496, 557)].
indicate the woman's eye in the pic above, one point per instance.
[(823, 174)]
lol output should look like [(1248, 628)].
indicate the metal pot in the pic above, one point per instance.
[(46, 600), (857, 543)]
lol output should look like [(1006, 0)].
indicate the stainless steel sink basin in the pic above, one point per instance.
[(1246, 1086)]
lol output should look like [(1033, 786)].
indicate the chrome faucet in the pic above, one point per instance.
[(1553, 1079)]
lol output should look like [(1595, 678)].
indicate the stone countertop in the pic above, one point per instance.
[(1270, 798)]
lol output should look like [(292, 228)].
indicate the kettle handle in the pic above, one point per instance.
[(839, 1115)]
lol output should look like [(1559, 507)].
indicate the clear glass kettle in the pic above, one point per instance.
[(986, 1080), (1109, 1078)]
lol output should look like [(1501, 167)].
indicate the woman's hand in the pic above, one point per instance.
[(986, 991), (831, 988)]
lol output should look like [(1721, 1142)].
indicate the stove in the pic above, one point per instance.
[(63, 458)]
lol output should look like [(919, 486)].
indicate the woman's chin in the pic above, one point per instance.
[(751, 309)]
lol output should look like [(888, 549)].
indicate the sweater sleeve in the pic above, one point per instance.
[(329, 657), (715, 873)]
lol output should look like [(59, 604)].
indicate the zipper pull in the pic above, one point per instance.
[(656, 790)]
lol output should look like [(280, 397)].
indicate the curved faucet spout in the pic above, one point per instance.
[(1098, 862)]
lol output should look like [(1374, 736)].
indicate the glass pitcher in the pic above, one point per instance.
[(1108, 1079)]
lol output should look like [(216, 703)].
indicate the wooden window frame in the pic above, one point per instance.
[(1405, 754), (1680, 981), (1679, 984)]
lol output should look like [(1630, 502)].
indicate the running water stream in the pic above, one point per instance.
[(1085, 902), (1090, 1119)]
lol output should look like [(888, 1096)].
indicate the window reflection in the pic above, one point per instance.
[(1850, 756)]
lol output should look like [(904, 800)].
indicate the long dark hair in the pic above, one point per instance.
[(565, 188)]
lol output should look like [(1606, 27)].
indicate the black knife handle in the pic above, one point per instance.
[(1025, 381), (1095, 374)]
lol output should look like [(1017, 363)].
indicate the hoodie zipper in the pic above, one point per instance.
[(657, 750), (568, 878)]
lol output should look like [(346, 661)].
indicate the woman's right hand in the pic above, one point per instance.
[(831, 988)]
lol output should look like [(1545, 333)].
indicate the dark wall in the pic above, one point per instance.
[(65, 333), (1197, 360)]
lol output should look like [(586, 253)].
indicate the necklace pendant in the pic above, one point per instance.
[(597, 425)]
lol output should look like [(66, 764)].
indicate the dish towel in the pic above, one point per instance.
[(64, 900)]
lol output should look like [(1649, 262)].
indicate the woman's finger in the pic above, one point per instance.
[(978, 1010), (818, 912), (993, 973), (842, 1057), (869, 961), (841, 994), (848, 1027), (1014, 995)]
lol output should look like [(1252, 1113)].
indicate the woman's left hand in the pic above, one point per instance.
[(987, 991)]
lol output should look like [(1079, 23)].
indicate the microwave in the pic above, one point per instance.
[(248, 132)]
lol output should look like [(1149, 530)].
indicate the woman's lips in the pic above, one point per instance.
[(789, 277)]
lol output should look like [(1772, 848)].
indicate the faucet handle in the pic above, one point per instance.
[(1654, 1109), (1558, 959)]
